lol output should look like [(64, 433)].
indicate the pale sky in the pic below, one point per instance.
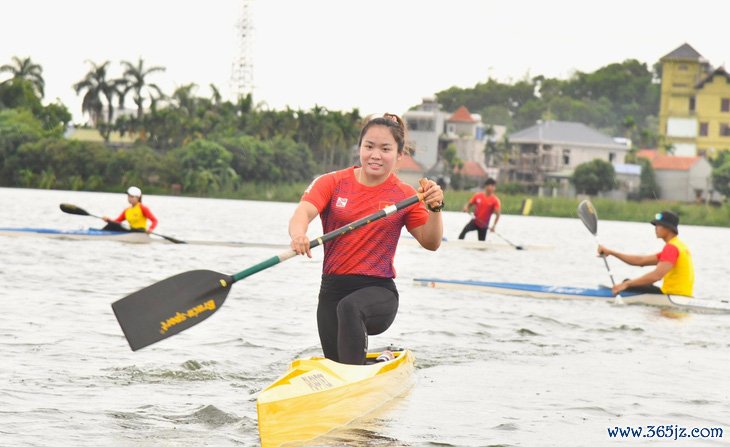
[(374, 55)]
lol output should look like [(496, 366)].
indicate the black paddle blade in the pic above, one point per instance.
[(171, 306), (588, 215), (73, 209), (169, 238)]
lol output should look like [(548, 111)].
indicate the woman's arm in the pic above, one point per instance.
[(298, 225), (429, 235)]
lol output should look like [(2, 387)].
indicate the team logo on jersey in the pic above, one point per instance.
[(341, 202)]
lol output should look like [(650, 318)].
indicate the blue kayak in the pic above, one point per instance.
[(88, 234)]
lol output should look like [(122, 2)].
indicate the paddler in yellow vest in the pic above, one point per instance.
[(673, 263), (137, 214)]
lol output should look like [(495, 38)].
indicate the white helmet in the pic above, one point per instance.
[(134, 191)]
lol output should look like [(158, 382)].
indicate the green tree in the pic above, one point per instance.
[(28, 70), (721, 178), (593, 177), (136, 76), (17, 126), (139, 165), (67, 162), (20, 94), (205, 166), (648, 187)]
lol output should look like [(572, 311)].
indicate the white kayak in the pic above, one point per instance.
[(132, 237), (580, 293), (125, 236), (471, 244)]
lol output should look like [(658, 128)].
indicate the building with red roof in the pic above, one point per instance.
[(684, 179)]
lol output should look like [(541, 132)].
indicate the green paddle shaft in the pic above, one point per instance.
[(329, 236)]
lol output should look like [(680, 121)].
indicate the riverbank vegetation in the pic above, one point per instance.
[(191, 141)]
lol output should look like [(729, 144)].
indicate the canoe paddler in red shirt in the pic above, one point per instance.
[(485, 204), (136, 215), (357, 295)]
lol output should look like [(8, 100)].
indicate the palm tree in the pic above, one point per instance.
[(185, 98), (215, 96), (96, 86), (26, 69), (136, 75)]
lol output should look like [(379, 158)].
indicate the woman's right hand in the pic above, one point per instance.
[(300, 244), (603, 251), (106, 219)]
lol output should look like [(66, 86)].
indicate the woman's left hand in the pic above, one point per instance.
[(433, 195)]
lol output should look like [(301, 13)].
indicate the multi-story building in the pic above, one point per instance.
[(694, 111), (425, 127), (431, 130), (552, 147)]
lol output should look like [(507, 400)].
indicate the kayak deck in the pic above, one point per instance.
[(316, 395), (87, 234), (580, 293)]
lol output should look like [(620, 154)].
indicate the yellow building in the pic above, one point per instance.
[(694, 111)]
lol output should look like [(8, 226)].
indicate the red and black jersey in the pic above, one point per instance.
[(340, 200)]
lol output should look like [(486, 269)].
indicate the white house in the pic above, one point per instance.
[(555, 146), (467, 133), (425, 126), (684, 179)]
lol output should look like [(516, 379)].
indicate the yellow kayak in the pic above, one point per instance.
[(317, 395)]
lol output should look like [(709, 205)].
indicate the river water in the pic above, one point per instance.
[(492, 370)]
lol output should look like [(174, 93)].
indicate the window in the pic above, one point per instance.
[(683, 67), (704, 129), (566, 157), (725, 107), (611, 157), (692, 104), (724, 130)]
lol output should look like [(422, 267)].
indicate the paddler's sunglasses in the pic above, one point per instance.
[(658, 216)]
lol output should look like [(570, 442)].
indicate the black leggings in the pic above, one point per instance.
[(651, 288), (471, 226), (351, 307)]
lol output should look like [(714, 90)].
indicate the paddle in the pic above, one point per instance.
[(73, 209), (184, 300), (518, 247), (588, 216)]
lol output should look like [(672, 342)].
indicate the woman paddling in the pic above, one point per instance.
[(357, 295), (137, 214)]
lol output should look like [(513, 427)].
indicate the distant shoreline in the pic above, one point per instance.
[(608, 209)]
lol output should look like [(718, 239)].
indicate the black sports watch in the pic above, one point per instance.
[(437, 208)]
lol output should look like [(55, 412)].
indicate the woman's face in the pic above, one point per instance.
[(378, 152), (133, 200)]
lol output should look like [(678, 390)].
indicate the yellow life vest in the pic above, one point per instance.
[(681, 278), (135, 217)]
